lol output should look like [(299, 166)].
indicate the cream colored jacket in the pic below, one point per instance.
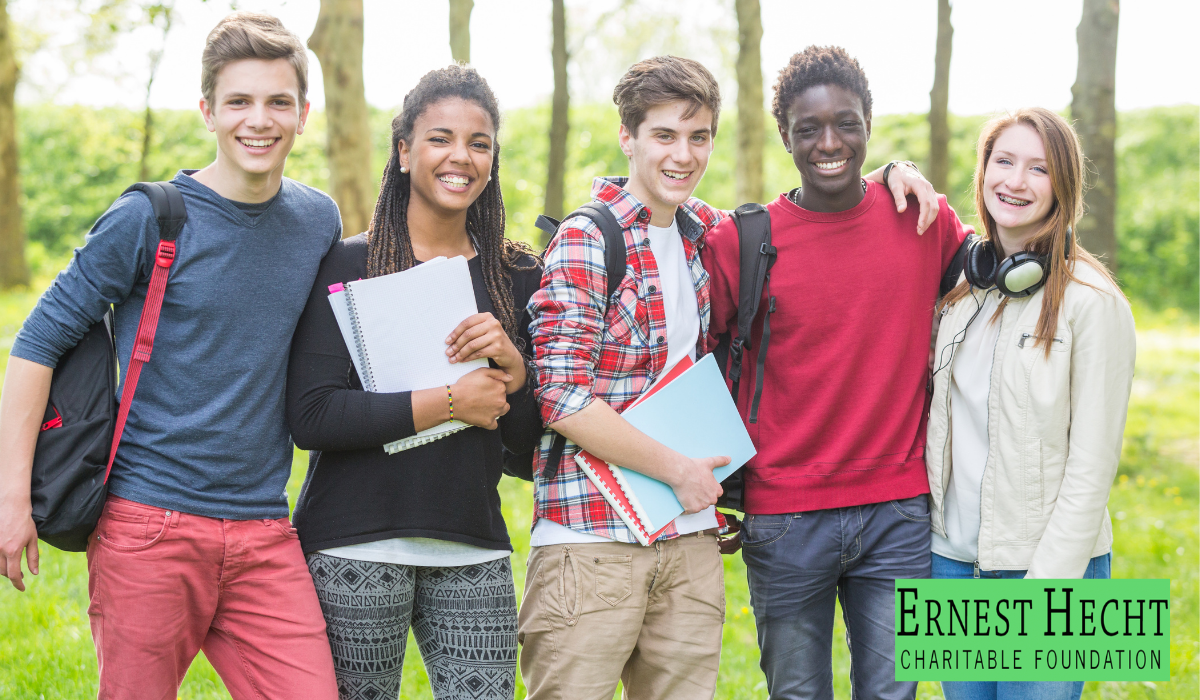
[(1054, 429)]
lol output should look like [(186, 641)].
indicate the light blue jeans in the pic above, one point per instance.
[(1099, 567)]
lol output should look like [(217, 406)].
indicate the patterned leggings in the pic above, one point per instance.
[(463, 617)]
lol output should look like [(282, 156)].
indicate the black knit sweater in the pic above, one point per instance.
[(354, 491)]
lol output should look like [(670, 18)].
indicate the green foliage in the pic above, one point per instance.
[(75, 160)]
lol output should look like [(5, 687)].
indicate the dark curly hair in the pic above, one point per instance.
[(819, 65), (389, 248)]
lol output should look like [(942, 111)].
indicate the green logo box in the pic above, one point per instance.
[(1033, 630)]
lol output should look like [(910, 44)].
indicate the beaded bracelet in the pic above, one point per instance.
[(450, 398)]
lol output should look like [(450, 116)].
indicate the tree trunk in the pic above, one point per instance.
[(1095, 113), (556, 170), (939, 102), (460, 30), (338, 42), (13, 270), (148, 119), (749, 167)]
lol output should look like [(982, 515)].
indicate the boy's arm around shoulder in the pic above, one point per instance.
[(567, 319)]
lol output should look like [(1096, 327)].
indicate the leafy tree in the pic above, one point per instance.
[(338, 42), (749, 102), (939, 102), (460, 30), (13, 269), (1095, 113)]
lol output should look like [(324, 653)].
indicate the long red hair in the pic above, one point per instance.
[(1064, 161)]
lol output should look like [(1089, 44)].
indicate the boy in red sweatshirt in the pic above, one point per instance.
[(836, 497)]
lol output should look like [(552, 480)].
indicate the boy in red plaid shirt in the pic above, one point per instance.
[(598, 607)]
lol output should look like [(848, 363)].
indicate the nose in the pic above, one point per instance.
[(681, 152), (829, 142), (259, 117), (460, 153), (1015, 180)]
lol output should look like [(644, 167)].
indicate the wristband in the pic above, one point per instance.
[(887, 169), (450, 398)]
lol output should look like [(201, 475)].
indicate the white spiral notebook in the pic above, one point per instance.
[(396, 326)]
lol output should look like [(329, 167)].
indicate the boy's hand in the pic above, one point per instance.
[(17, 534), (479, 397), (694, 485), (903, 181), (481, 335)]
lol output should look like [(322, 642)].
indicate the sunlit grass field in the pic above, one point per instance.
[(46, 649)]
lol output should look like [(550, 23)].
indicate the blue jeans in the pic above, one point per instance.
[(797, 563), (1099, 567)]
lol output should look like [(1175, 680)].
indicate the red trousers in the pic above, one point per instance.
[(165, 585)]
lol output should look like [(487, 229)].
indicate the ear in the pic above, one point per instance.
[(783, 134), (206, 112), (868, 123), (402, 153), (303, 117), (625, 139)]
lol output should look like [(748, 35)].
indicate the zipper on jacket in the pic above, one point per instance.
[(986, 460), (976, 568), (1027, 336)]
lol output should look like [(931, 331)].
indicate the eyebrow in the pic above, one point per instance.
[(669, 130), (444, 130), (1013, 155), (236, 95)]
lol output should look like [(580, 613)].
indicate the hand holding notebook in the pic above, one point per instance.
[(396, 325)]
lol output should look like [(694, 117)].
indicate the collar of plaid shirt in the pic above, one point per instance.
[(695, 216)]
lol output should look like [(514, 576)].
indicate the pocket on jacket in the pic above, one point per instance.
[(614, 577), (762, 530)]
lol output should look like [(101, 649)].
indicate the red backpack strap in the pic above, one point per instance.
[(171, 214)]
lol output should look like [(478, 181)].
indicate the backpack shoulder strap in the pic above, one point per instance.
[(170, 212), (756, 256)]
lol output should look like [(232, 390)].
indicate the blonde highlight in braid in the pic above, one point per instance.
[(389, 246)]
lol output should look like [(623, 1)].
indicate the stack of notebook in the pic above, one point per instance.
[(396, 326)]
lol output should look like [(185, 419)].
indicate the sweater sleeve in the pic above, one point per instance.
[(521, 428), (720, 258), (326, 408), (116, 256)]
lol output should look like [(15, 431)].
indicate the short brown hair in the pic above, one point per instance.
[(251, 35), (663, 79)]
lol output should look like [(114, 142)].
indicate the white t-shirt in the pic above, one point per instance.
[(417, 551), (970, 385), (683, 330)]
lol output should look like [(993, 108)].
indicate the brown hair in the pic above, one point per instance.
[(1064, 161), (251, 35), (663, 79)]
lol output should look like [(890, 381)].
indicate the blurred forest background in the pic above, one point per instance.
[(61, 165)]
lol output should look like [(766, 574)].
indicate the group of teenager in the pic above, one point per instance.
[(989, 456)]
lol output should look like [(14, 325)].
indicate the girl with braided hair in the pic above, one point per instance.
[(416, 539)]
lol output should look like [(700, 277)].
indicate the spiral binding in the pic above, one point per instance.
[(364, 361)]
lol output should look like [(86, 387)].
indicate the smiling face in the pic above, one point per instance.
[(827, 133), (450, 157), (1017, 189), (668, 156), (256, 114)]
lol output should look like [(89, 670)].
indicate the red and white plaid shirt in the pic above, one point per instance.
[(587, 346)]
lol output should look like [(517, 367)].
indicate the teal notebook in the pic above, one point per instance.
[(695, 415)]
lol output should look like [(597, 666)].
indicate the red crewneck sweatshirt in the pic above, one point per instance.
[(842, 417)]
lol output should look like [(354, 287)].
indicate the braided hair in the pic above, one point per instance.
[(389, 247)]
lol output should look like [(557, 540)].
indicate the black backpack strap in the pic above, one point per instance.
[(756, 256), (950, 276), (168, 205), (614, 270)]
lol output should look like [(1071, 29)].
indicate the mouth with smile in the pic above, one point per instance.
[(677, 175), (1013, 201), (455, 182), (257, 146), (832, 167)]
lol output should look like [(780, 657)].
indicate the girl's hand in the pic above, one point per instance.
[(481, 335), (479, 397)]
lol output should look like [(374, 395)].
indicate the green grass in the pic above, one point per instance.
[(46, 649)]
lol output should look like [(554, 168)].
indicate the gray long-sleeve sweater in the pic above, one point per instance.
[(206, 432)]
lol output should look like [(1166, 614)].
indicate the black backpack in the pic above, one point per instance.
[(520, 464), (83, 423)]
